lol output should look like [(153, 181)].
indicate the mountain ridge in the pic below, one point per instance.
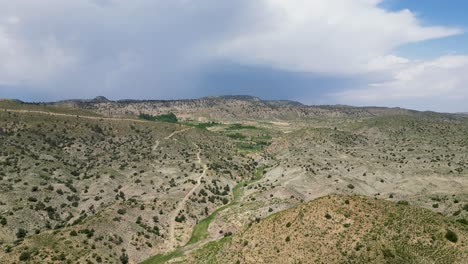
[(247, 98)]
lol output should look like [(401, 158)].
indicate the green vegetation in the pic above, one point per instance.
[(403, 202), (200, 230), (240, 126), (238, 136), (255, 146), (264, 137), (25, 256), (21, 233), (163, 258), (169, 118), (208, 253), (202, 125), (451, 236)]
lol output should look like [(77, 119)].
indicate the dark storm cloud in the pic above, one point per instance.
[(121, 48), (309, 50)]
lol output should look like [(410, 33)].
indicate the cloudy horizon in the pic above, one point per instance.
[(354, 52)]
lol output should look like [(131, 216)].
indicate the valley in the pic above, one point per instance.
[(88, 181)]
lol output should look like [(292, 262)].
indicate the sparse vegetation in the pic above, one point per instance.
[(90, 188)]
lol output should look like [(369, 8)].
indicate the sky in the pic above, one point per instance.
[(411, 54)]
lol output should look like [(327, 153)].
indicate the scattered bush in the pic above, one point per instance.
[(25, 256), (451, 236), (124, 258), (21, 233)]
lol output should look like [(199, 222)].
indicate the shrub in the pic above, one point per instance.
[(21, 233), (180, 218), (387, 253), (451, 236), (403, 202), (288, 239), (124, 258), (25, 256)]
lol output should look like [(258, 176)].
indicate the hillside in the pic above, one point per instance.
[(113, 183), (343, 229), (84, 183), (229, 108)]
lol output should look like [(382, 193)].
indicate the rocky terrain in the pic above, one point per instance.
[(228, 108), (88, 181)]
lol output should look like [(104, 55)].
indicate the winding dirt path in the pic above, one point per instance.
[(172, 241), (177, 132)]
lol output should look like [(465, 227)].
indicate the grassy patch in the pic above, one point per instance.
[(238, 136), (240, 126), (255, 146), (264, 137), (201, 125), (200, 230), (208, 253), (163, 258)]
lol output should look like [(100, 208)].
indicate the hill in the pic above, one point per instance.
[(232, 108), (343, 229), (101, 181), (81, 188)]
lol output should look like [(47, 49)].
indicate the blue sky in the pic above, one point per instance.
[(411, 54), (435, 12)]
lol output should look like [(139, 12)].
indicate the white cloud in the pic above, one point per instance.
[(442, 80), (333, 36), (13, 20)]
